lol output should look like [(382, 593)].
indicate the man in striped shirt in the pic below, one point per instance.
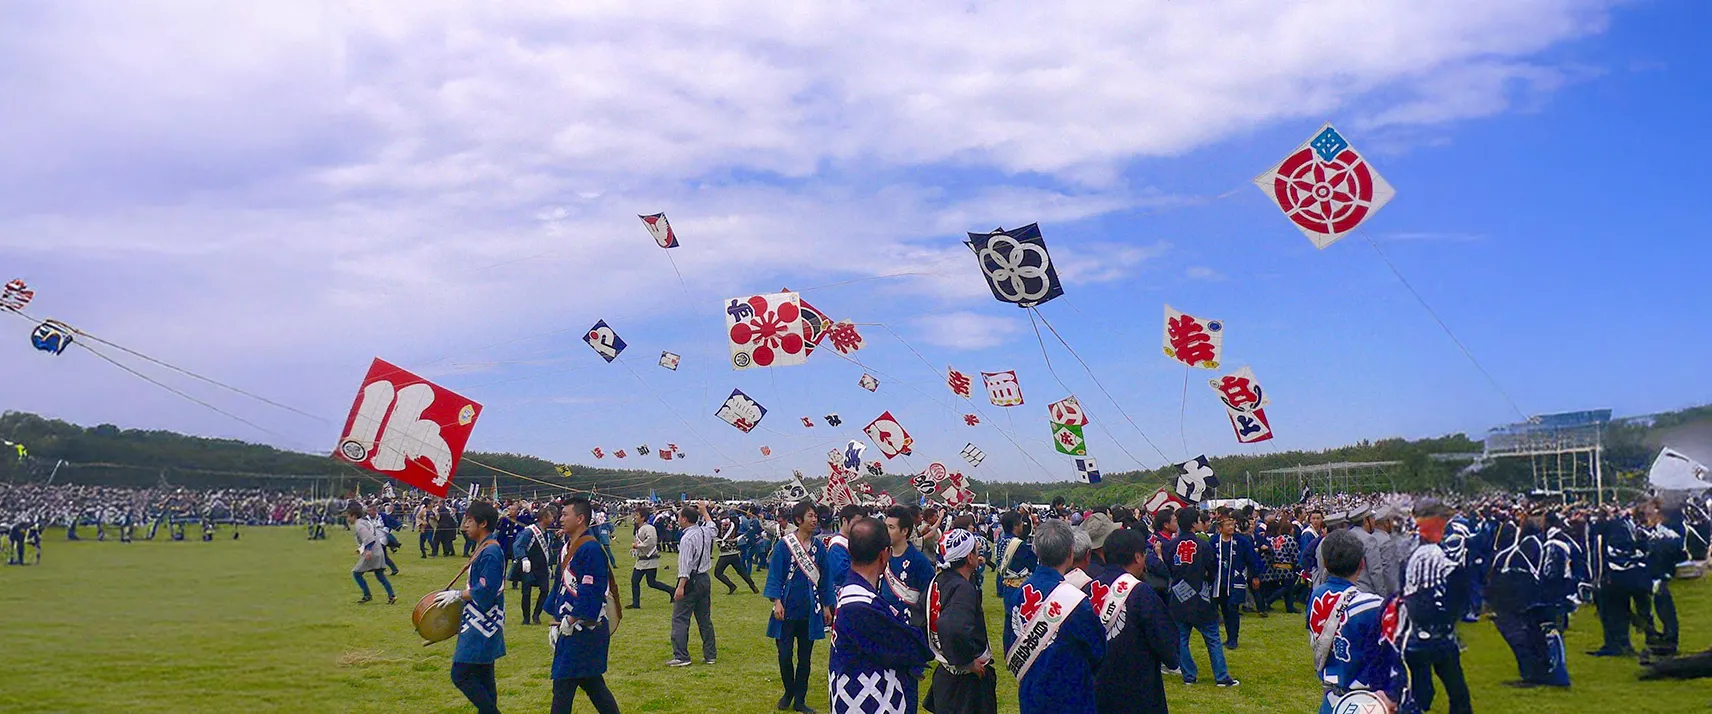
[(695, 591)]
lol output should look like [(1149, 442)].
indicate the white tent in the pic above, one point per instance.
[(1675, 471)]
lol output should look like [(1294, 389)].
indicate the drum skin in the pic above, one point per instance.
[(437, 624)]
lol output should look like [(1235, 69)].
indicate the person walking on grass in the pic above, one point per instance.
[(802, 598), (481, 638), (582, 634), (645, 548), (694, 595), (371, 552)]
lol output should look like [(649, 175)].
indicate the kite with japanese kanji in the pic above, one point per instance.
[(404, 426), (845, 338), (598, 453), (740, 411), (833, 420), (971, 420), (1193, 341), (1325, 187), (605, 342), (1245, 405), (1067, 411), (16, 296), (1016, 265), (1003, 390), (765, 331), (1195, 480), (1068, 440), (961, 384)]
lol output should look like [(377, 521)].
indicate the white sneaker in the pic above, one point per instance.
[(710, 661), (678, 663)]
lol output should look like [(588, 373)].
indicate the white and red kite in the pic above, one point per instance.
[(404, 426), (740, 411), (1067, 411), (890, 436), (669, 361), (971, 419), (598, 453), (1002, 388), (1245, 405), (766, 451), (845, 338), (619, 453), (16, 296), (1326, 187), (807, 423), (868, 382), (815, 325), (1162, 499), (765, 331), (1193, 341), (661, 229), (961, 384)]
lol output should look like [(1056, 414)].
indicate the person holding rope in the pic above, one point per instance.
[(582, 633), (481, 638), (802, 596)]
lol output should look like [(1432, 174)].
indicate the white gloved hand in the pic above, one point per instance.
[(553, 637), (446, 596), (525, 566)]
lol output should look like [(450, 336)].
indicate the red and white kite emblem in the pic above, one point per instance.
[(1068, 412), (1244, 403), (1002, 388), (661, 229), (407, 427), (889, 435), (1192, 340), (960, 383), (765, 331), (598, 453), (1325, 187)]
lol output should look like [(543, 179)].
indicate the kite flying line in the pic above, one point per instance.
[(1182, 412), (1435, 315), (1101, 424), (1102, 387)]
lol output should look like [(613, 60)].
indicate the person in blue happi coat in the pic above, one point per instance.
[(531, 554), (1053, 654), (1238, 568), (802, 596), (1189, 594), (908, 572), (1015, 557), (582, 633), (877, 658), (1624, 585), (838, 547), (481, 637), (1351, 648), (1665, 548)]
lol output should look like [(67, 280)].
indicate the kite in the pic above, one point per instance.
[(665, 455), (876, 468), (765, 331), (959, 382), (868, 382), (1161, 500), (1068, 440), (971, 419), (16, 296), (845, 338), (1326, 188), (1016, 265), (832, 420), (605, 342), (619, 453), (1067, 411), (837, 493), (740, 411), (889, 435), (793, 491), (1195, 480), (1002, 388), (927, 482), (642, 450), (675, 450), (563, 470), (807, 423), (1087, 471), (669, 361), (816, 325), (404, 426), (851, 457), (766, 451), (974, 455), (661, 229), (52, 337), (1245, 405), (598, 453), (1192, 340)]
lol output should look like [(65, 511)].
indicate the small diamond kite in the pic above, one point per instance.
[(661, 229), (973, 454), (1002, 388), (604, 341), (869, 383), (669, 361), (1193, 341)]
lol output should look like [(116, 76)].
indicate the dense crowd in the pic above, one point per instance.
[(68, 504)]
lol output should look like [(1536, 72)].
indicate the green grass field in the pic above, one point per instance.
[(270, 623)]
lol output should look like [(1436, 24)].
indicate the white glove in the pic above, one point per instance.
[(552, 637), (446, 596), (526, 565)]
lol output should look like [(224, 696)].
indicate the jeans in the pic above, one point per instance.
[(795, 678), (1441, 658), (1662, 642), (652, 575), (1215, 650), (379, 575), (423, 538), (476, 682), (565, 692), (1230, 609), (698, 600)]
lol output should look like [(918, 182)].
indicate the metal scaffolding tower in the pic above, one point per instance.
[(1565, 452)]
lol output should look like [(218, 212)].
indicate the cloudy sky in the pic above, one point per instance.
[(273, 194)]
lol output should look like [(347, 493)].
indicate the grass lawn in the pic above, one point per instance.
[(270, 623)]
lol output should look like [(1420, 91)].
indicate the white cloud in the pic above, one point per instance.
[(964, 330)]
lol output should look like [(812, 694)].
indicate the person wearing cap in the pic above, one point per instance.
[(1372, 578), (1098, 526), (1435, 593), (964, 681)]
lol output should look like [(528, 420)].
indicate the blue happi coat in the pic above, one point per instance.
[(1062, 678), (877, 657), (481, 637), (1018, 568), (803, 599), (916, 572), (1361, 657), (582, 595), (837, 563)]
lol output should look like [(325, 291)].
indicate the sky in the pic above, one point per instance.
[(272, 195)]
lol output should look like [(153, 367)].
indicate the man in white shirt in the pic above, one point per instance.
[(694, 595), (645, 548)]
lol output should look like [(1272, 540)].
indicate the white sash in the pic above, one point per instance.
[(908, 595), (1113, 608), (1323, 638), (1078, 578), (839, 539), (933, 643), (803, 558), (1035, 635)]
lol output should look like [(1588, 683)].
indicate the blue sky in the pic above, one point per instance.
[(273, 198)]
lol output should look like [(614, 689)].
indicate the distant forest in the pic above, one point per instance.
[(109, 455)]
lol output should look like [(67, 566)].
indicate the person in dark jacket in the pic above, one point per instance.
[(1435, 594), (1623, 583), (1193, 568), (1140, 637), (964, 681), (1238, 568), (1664, 550)]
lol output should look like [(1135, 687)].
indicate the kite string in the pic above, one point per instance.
[(1102, 387), (1442, 325), (1182, 412), (170, 388), (1042, 342), (674, 411)]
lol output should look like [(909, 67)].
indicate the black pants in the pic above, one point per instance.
[(534, 581), (1661, 640), (444, 539), (795, 677), (732, 560), (476, 682), (1527, 642), (565, 692), (1616, 615), (652, 575), (1443, 659), (1230, 608)]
